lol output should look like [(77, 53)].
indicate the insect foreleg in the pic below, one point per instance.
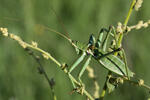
[(105, 42), (100, 37)]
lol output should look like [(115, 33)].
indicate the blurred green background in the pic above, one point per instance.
[(19, 78)]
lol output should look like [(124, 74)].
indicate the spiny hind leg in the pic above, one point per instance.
[(74, 66), (122, 52), (81, 73), (123, 56)]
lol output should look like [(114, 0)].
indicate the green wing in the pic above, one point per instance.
[(115, 64)]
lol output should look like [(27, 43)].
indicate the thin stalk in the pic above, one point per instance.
[(105, 86), (46, 53), (129, 13), (42, 71), (125, 24)]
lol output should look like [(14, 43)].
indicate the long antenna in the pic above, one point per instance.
[(59, 33), (62, 25), (60, 21)]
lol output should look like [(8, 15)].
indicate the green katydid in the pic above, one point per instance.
[(98, 51)]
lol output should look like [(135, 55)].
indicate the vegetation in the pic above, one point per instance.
[(19, 78)]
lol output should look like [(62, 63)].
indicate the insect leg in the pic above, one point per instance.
[(100, 37), (82, 71), (115, 35), (123, 55), (77, 62), (105, 42), (102, 43), (75, 65), (84, 67)]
